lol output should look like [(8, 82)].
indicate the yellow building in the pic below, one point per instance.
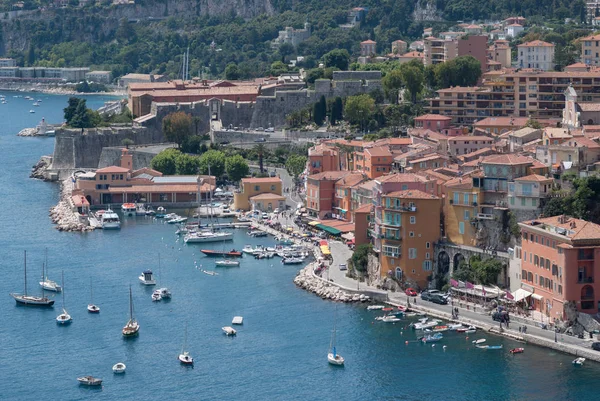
[(461, 209), (251, 188), (407, 228)]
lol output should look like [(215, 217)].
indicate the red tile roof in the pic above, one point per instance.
[(261, 180), (350, 180), (379, 151), (112, 169), (576, 229), (534, 177), (436, 117), (329, 175), (536, 43), (411, 194), (470, 138), (510, 159), (368, 208), (401, 177)]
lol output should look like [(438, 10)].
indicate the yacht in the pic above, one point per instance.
[(207, 236), (184, 357), (110, 220), (160, 212), (24, 299), (140, 210), (128, 209), (64, 317), (132, 327), (89, 381), (32, 111), (146, 278)]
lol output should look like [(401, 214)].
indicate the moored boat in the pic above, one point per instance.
[(517, 350), (119, 368), (64, 318), (89, 381), (91, 307), (184, 357), (110, 220), (147, 278), (160, 212), (227, 263), (292, 261), (432, 338), (207, 236), (375, 307), (128, 209), (228, 330), (210, 252), (24, 299), (439, 329), (132, 327), (578, 361)]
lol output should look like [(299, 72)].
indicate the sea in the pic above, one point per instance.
[(279, 353)]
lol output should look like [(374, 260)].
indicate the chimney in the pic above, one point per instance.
[(573, 224)]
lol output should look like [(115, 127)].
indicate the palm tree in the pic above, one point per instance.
[(260, 150)]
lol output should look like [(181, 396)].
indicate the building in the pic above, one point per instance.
[(500, 53), (529, 192), (473, 29), (439, 50), (560, 260), (320, 193), (342, 202), (293, 36), (250, 188), (590, 50), (427, 162), (500, 125), (399, 47), (462, 145), (368, 48), (410, 56), (8, 62), (515, 20), (514, 30), (362, 220), (128, 79), (323, 158), (408, 226), (363, 194), (267, 202), (102, 77), (536, 54), (433, 122), (375, 162), (520, 137), (461, 210), (474, 45), (121, 184)]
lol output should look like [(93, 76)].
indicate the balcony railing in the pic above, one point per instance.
[(585, 280), (485, 216)]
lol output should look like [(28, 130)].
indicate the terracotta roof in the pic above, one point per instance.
[(587, 142), (401, 177), (579, 65), (414, 54), (112, 169), (557, 133), (536, 43), (472, 26), (435, 174), (261, 180), (368, 208), (589, 106), (534, 177), (411, 194), (460, 183), (267, 196), (350, 180), (369, 41), (502, 121), (525, 131), (480, 152), (433, 156), (511, 159), (319, 149), (368, 185), (393, 141), (436, 117), (464, 89), (516, 25), (146, 170), (329, 175), (591, 37), (576, 229), (161, 188), (473, 163), (379, 151), (470, 138), (399, 41)]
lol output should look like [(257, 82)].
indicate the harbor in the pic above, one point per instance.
[(281, 322)]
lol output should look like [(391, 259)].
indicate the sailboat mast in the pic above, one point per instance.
[(62, 278), (91, 292), (25, 256), (159, 274), (130, 305)]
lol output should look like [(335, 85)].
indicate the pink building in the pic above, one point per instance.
[(435, 122), (475, 46), (323, 158), (368, 48), (462, 145)]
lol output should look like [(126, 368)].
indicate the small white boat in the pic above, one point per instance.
[(227, 263), (578, 361), (64, 317), (332, 356), (156, 296), (210, 272), (454, 327), (91, 307), (89, 381), (237, 320), (146, 278), (228, 330), (164, 292), (292, 261), (248, 249), (132, 328), (140, 210), (50, 285), (119, 368), (128, 209), (177, 220), (35, 104), (184, 357), (160, 212), (32, 111), (426, 324), (375, 307), (390, 319), (480, 341), (110, 220)]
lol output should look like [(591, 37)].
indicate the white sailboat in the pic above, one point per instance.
[(132, 327), (184, 357), (162, 292), (24, 299), (46, 283), (333, 357), (92, 308), (64, 317)]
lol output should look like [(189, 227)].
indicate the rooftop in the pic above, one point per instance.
[(470, 138), (436, 117), (534, 177), (536, 43), (328, 175), (368, 208), (570, 227), (401, 177), (378, 151), (176, 179), (261, 180), (411, 194), (113, 169), (350, 180), (502, 121), (267, 196), (523, 132), (511, 159)]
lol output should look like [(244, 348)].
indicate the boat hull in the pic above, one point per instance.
[(202, 239), (336, 360), (209, 252), (32, 301), (93, 309), (185, 359), (119, 368)]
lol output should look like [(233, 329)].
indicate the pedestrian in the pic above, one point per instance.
[(524, 329), (415, 300), (507, 323), (520, 328)]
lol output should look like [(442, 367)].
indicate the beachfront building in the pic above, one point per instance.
[(407, 227), (121, 184), (560, 263), (251, 188), (323, 158), (462, 209)]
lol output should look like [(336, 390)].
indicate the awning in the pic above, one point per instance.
[(323, 242), (536, 296), (330, 230), (313, 223), (520, 294), (325, 250), (348, 236)]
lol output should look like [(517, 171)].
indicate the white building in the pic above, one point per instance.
[(513, 30), (536, 54)]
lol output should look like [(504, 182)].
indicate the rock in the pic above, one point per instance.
[(38, 171), (28, 132)]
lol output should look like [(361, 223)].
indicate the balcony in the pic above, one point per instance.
[(485, 216), (585, 280)]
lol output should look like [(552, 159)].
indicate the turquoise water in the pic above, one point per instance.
[(279, 352)]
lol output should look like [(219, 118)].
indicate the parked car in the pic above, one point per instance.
[(260, 140), (260, 129), (270, 129), (265, 216), (426, 295), (273, 174), (596, 346), (501, 316), (343, 266), (438, 299), (410, 292)]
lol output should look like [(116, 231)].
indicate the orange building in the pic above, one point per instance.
[(560, 259), (343, 195), (408, 224), (262, 193), (320, 193), (374, 162), (323, 158), (362, 218)]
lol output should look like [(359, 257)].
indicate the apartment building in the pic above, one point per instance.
[(529, 192), (439, 50), (462, 145), (500, 53), (590, 50), (461, 210), (368, 48), (536, 54), (399, 47), (320, 193)]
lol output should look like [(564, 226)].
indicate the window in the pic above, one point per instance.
[(404, 187), (456, 198), (411, 234), (474, 198), (467, 215), (427, 265), (427, 255), (523, 201), (412, 253), (512, 200), (536, 260), (461, 227), (466, 199), (428, 245), (413, 219), (525, 255), (272, 187), (257, 187)]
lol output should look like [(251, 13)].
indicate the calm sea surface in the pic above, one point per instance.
[(279, 352)]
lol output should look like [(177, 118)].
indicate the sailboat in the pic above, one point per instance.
[(46, 283), (132, 327), (333, 357), (64, 317), (24, 299), (162, 292), (184, 357), (91, 307)]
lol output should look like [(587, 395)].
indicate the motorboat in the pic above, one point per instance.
[(491, 347), (426, 324), (292, 261), (164, 292), (257, 233), (375, 307), (24, 299), (140, 210), (284, 241), (210, 252), (89, 381), (207, 236), (160, 212), (227, 263), (264, 255), (119, 368), (432, 338), (228, 330), (517, 350), (182, 230), (128, 209), (132, 328), (239, 320), (32, 111), (147, 278), (479, 341), (464, 329), (150, 211), (210, 272), (390, 319), (578, 361), (439, 329), (110, 220), (177, 219), (455, 327), (249, 249), (156, 296)]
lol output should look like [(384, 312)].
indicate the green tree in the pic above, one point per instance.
[(337, 111), (260, 150), (82, 117), (338, 58), (531, 123), (554, 207), (320, 111), (232, 72), (31, 56), (236, 167), (69, 111), (166, 161), (413, 78), (215, 159), (360, 257), (392, 83), (177, 127), (295, 165), (278, 68), (359, 108), (125, 32), (187, 164), (464, 272), (127, 143), (487, 271)]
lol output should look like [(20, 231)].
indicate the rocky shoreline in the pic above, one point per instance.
[(38, 170), (28, 132), (306, 279), (63, 215)]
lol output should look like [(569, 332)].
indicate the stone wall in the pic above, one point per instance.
[(238, 136), (142, 156)]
